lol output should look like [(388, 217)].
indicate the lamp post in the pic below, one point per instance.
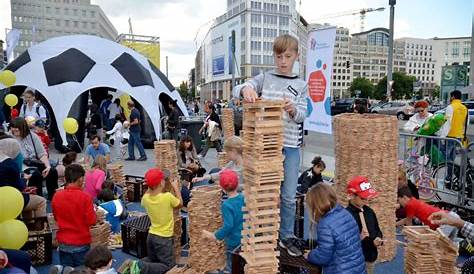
[(390, 48)]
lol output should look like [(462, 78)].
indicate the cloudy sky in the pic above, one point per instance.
[(177, 22)]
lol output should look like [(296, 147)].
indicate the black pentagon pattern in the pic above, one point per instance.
[(70, 66), (132, 71), (20, 61), (163, 78)]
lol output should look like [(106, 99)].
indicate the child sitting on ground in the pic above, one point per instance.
[(361, 192), (159, 206), (113, 208), (232, 215), (96, 177), (311, 176), (99, 260), (422, 211), (74, 214), (233, 146)]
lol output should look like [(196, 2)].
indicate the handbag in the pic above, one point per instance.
[(34, 162)]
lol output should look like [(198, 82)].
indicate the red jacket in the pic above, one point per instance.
[(74, 213), (45, 140)]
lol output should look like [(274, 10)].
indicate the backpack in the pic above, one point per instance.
[(38, 105)]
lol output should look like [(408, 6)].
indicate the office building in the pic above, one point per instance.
[(451, 51)]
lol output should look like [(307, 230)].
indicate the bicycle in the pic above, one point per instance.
[(419, 171), (452, 183)]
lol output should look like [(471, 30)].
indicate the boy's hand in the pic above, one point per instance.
[(249, 94), (364, 234), (289, 107), (444, 218), (208, 235), (175, 185), (378, 241), (197, 179)]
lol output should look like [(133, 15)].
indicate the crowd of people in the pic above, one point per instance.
[(347, 238)]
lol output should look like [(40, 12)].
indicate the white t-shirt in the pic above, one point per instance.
[(416, 121), (114, 110), (26, 111)]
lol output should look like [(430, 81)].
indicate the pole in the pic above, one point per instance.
[(471, 72), (166, 66), (390, 49)]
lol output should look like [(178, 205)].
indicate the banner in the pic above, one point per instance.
[(13, 36), (319, 59)]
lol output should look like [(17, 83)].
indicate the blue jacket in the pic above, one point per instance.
[(233, 219), (338, 239)]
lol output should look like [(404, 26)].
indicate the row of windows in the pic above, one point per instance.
[(257, 5), (419, 46), (271, 33), (339, 77), (421, 71), (421, 53), (420, 65), (270, 19)]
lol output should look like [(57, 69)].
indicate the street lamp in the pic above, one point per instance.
[(390, 48)]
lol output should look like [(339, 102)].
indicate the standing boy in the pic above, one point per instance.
[(159, 206), (232, 215), (282, 84), (361, 192), (74, 213)]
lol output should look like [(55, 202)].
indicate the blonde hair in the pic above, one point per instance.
[(100, 163), (284, 42), (320, 199), (235, 143), (402, 176)]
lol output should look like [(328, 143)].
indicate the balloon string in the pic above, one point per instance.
[(77, 142)]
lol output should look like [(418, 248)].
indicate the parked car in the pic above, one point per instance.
[(470, 107), (403, 110), (348, 105), (435, 107)]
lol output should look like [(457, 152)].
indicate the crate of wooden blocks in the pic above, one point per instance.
[(40, 241), (134, 235), (136, 187)]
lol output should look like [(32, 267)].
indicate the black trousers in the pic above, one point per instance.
[(36, 180)]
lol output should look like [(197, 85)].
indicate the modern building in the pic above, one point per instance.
[(3, 57), (451, 51), (149, 46), (39, 20), (255, 24), (342, 64)]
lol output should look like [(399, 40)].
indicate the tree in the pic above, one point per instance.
[(402, 87), (436, 93), (364, 85), (183, 90)]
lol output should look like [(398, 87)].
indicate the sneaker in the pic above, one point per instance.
[(67, 270), (130, 159), (141, 159), (55, 269), (291, 248)]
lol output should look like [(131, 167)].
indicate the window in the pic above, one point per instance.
[(76, 24), (284, 9), (284, 21), (66, 23), (84, 25), (455, 51), (283, 31), (57, 11), (255, 45), (256, 32), (256, 18), (58, 22), (92, 14), (466, 52), (242, 32), (66, 11), (48, 10), (93, 25), (75, 12), (256, 5), (84, 13)]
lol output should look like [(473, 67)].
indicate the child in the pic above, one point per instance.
[(113, 208), (125, 138), (40, 130), (311, 176), (231, 209), (69, 158), (116, 138), (338, 248), (282, 84), (422, 211), (361, 192), (233, 146), (400, 213), (96, 177), (74, 214), (159, 206), (99, 260)]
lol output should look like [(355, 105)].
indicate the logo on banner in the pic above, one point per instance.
[(317, 83)]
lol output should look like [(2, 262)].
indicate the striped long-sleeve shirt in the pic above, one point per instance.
[(274, 86)]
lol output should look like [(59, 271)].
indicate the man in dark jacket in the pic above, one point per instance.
[(361, 192), (311, 176)]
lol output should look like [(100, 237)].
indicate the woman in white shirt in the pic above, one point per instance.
[(114, 109), (417, 120), (116, 136)]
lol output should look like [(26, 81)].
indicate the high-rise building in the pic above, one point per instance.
[(451, 51), (39, 20), (3, 57), (342, 64), (255, 24)]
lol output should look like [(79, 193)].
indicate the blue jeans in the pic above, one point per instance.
[(73, 256), (228, 255), (450, 151), (135, 140), (291, 166)]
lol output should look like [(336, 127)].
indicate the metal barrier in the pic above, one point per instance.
[(437, 166)]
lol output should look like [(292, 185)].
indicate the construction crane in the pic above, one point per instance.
[(361, 12)]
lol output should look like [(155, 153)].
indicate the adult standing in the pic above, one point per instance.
[(32, 108), (94, 125), (212, 128), (417, 120), (114, 109), (104, 110), (96, 148), (173, 120), (35, 157), (135, 130)]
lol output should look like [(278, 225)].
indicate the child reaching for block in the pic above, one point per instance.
[(231, 210), (159, 206), (361, 192)]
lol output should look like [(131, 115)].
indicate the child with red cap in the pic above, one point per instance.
[(232, 215), (159, 206), (361, 192)]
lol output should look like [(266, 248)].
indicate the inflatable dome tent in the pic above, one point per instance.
[(64, 69)]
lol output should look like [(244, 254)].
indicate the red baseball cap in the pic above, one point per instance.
[(228, 179), (361, 187), (154, 177)]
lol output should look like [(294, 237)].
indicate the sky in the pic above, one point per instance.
[(178, 22)]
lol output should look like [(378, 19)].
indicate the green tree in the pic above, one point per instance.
[(364, 85), (402, 87), (183, 89), (436, 92)]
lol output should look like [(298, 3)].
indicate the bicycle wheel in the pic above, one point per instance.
[(426, 187), (444, 180)]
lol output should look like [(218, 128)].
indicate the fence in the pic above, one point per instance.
[(439, 167)]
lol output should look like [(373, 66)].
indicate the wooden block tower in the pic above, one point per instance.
[(118, 177), (263, 173), (166, 158), (228, 122)]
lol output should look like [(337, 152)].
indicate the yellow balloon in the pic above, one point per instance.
[(7, 78), (13, 234), (11, 203), (70, 125), (11, 100), (30, 120)]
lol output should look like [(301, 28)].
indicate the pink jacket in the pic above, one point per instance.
[(94, 180)]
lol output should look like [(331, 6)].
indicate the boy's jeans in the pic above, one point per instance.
[(72, 255), (291, 165), (228, 253), (160, 257)]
